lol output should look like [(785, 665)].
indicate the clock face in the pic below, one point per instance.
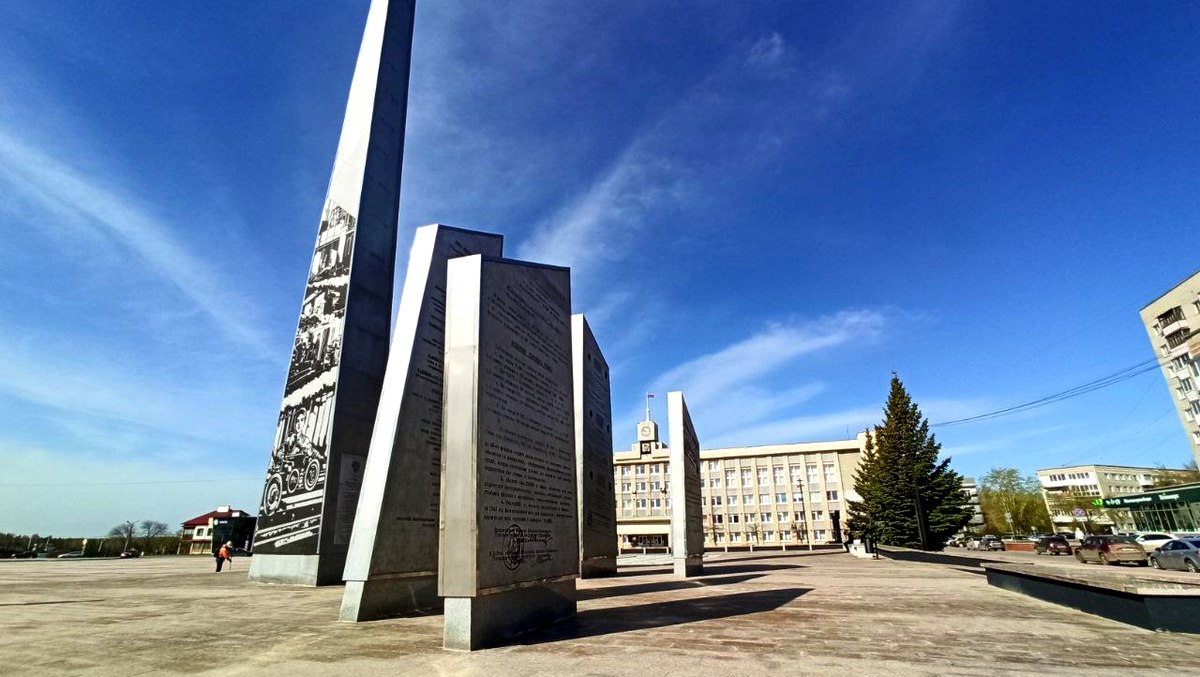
[(644, 431)]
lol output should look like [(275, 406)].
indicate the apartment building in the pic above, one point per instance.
[(1172, 322), (771, 496)]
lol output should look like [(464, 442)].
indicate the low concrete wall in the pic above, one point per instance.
[(1154, 605)]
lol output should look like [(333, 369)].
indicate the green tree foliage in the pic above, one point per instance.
[(1168, 477), (1005, 490), (900, 470)]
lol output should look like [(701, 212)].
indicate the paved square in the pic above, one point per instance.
[(777, 613)]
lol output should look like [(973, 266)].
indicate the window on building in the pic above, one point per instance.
[(716, 500), (734, 518), (735, 537), (781, 498), (769, 536), (730, 481), (785, 536), (777, 474), (745, 477), (818, 515), (784, 516), (720, 538), (762, 476), (731, 500), (764, 499), (656, 503), (1195, 407), (654, 468), (794, 474), (830, 472), (797, 497), (811, 470), (749, 518), (714, 481), (641, 469), (714, 465), (626, 504), (818, 534), (624, 471), (626, 486), (641, 486), (718, 518), (814, 497), (765, 517), (833, 496), (641, 503)]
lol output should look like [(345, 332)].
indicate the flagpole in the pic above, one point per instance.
[(648, 396)]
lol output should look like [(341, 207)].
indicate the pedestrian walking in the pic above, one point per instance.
[(224, 554)]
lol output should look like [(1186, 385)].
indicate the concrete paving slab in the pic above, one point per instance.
[(782, 613)]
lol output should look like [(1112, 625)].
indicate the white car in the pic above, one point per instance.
[(1152, 541)]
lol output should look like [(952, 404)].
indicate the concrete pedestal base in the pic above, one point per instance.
[(686, 567), (488, 620), (310, 570), (386, 597), (598, 567)]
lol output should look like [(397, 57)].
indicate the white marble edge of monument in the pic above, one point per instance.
[(457, 571)]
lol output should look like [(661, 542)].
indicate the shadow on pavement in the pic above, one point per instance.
[(711, 568), (636, 570), (660, 586), (614, 620)]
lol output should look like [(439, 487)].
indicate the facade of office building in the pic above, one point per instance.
[(769, 496), (1076, 495), (1172, 322)]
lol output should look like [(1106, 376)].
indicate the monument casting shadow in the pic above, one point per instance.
[(614, 620), (661, 586)]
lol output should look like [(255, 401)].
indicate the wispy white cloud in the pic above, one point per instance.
[(844, 424), (77, 197), (733, 391)]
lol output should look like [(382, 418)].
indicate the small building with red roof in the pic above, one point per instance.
[(225, 524)]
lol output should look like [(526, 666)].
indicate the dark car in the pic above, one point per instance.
[(1052, 545), (990, 543), (1110, 550), (28, 554), (130, 554)]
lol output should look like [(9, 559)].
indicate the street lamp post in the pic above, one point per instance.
[(804, 517)]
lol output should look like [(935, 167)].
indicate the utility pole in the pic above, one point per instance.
[(128, 533)]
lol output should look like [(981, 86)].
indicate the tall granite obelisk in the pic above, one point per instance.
[(687, 527), (341, 348)]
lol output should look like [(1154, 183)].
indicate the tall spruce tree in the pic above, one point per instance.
[(899, 474)]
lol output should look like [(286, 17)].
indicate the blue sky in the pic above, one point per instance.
[(770, 206)]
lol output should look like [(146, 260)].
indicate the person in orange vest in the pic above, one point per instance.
[(223, 554)]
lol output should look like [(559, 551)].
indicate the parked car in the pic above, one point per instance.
[(1153, 541), (1035, 537), (28, 554), (972, 543), (990, 543), (130, 553), (1052, 545), (1110, 550), (1181, 553), (65, 555)]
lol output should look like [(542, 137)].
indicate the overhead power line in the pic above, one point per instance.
[(1104, 382)]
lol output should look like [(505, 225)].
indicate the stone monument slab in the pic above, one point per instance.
[(593, 454), (340, 352), (391, 567), (687, 525), (509, 547)]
